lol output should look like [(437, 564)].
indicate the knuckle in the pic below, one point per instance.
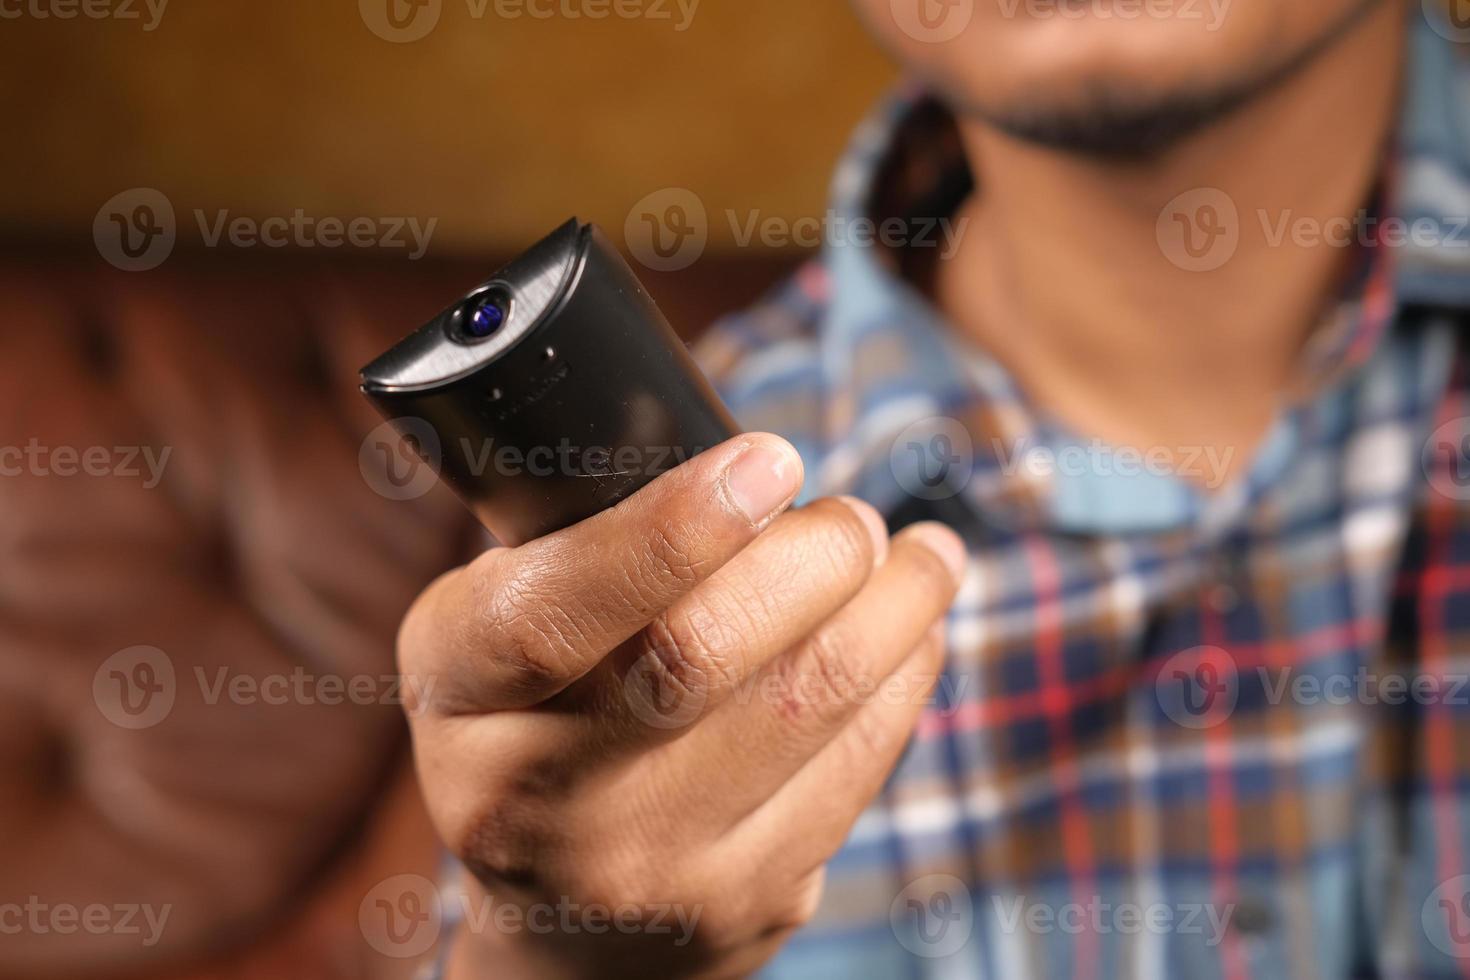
[(672, 670), (529, 633), (691, 647), (872, 738), (501, 839), (821, 681), (841, 539), (831, 657), (669, 556), (802, 908)]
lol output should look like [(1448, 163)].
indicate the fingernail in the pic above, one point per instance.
[(877, 530), (944, 543), (763, 480)]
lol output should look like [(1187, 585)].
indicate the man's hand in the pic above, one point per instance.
[(673, 711)]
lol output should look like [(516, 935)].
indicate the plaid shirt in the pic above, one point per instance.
[(1180, 733)]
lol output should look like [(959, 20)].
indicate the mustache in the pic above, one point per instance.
[(1124, 123)]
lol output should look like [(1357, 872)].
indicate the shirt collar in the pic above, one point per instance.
[(912, 403), (1431, 192)]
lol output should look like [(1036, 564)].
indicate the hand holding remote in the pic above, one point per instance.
[(671, 705)]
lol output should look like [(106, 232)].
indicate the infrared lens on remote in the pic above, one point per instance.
[(487, 317)]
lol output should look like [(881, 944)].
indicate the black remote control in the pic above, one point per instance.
[(555, 389)]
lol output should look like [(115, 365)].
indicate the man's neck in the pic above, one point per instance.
[(1062, 275)]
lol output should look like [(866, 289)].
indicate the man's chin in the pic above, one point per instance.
[(1114, 121), (1103, 96)]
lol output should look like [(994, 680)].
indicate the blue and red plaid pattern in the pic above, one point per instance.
[(1181, 733)]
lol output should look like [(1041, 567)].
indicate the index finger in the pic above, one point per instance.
[(518, 625)]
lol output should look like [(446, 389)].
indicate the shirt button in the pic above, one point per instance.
[(1228, 577), (1252, 917), (1223, 597)]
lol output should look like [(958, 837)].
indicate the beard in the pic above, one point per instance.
[(1123, 122)]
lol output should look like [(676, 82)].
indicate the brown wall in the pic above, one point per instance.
[(497, 127)]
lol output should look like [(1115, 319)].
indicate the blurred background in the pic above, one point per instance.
[(498, 118), (210, 216)]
